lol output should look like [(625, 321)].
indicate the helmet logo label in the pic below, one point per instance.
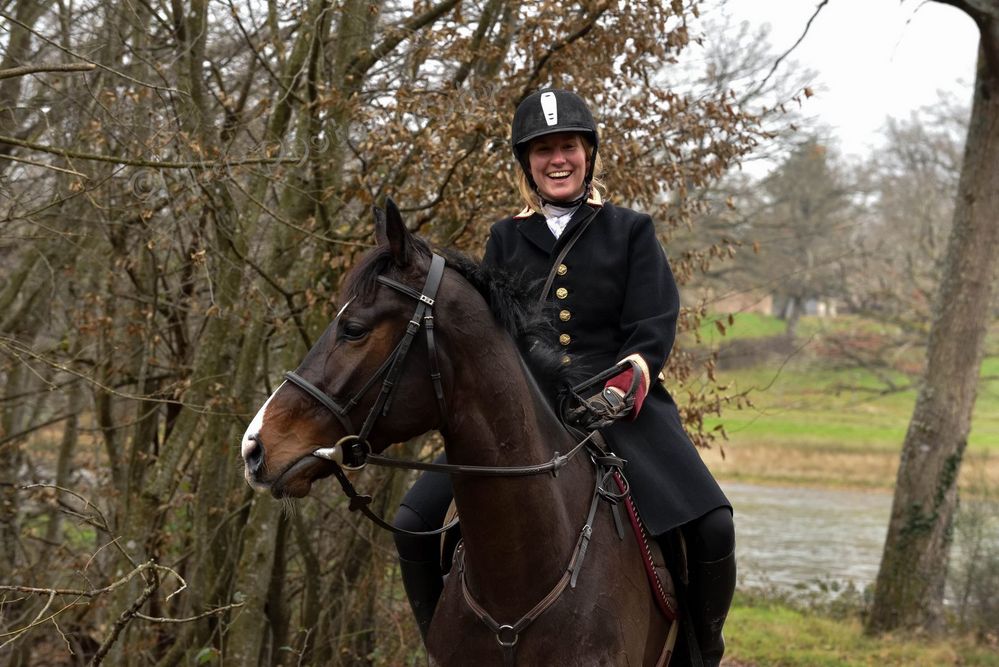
[(549, 106)]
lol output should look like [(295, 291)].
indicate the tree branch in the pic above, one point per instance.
[(575, 36), (152, 583), (33, 69), (210, 612), (784, 55), (88, 60), (165, 164), (979, 10), (366, 59)]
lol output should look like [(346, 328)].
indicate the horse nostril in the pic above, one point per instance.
[(254, 456)]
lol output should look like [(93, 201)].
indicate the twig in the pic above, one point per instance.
[(366, 59), (149, 570), (33, 69), (793, 46), (124, 618), (579, 33), (210, 612), (155, 164), (288, 223), (20, 434), (88, 60), (14, 634), (17, 349), (44, 166), (76, 592)]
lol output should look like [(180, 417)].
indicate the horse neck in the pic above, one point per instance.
[(519, 533)]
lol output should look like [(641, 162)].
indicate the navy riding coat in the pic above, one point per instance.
[(615, 296)]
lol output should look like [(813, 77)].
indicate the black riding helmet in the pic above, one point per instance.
[(546, 112)]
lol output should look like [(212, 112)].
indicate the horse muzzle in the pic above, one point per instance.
[(295, 479)]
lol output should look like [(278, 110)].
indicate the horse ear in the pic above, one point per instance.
[(380, 236), (399, 238)]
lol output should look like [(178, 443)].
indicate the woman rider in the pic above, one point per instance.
[(615, 299)]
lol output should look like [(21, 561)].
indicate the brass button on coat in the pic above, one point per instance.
[(562, 269), (561, 292), (565, 339), (566, 359), (564, 315)]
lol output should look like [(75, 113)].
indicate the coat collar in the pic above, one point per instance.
[(532, 225), (594, 200)]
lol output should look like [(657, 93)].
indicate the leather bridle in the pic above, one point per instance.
[(352, 450)]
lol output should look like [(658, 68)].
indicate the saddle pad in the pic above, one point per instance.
[(660, 579)]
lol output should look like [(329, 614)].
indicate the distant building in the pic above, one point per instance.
[(821, 307), (749, 301)]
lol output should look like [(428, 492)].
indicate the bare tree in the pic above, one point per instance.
[(910, 583)]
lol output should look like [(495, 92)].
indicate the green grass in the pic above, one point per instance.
[(763, 632), (743, 326), (815, 421), (842, 409), (803, 400)]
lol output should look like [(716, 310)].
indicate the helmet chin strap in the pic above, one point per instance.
[(571, 203)]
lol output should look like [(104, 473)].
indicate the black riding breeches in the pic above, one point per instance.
[(423, 508), (710, 537)]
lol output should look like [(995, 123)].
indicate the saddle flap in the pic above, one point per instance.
[(450, 538)]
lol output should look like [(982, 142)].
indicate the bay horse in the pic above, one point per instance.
[(524, 593)]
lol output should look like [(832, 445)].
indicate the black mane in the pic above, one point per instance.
[(511, 300)]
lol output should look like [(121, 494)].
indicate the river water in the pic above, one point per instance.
[(801, 539)]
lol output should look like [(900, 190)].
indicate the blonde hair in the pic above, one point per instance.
[(530, 196)]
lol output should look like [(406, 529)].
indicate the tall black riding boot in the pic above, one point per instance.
[(423, 583), (711, 588)]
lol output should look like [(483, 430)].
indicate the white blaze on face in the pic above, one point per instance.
[(254, 428)]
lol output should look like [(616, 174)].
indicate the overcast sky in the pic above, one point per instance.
[(874, 58)]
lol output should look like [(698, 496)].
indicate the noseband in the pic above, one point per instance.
[(352, 450)]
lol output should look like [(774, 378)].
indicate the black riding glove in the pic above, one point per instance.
[(600, 410)]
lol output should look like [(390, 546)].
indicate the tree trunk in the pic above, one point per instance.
[(910, 583), (247, 635)]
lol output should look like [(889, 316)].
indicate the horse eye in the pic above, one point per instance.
[(353, 331)]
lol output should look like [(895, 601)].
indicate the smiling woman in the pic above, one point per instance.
[(559, 164)]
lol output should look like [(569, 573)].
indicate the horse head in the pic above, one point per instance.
[(376, 356)]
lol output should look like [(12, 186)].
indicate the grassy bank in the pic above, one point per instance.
[(768, 633), (815, 421)]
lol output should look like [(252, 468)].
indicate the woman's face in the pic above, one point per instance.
[(558, 165)]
